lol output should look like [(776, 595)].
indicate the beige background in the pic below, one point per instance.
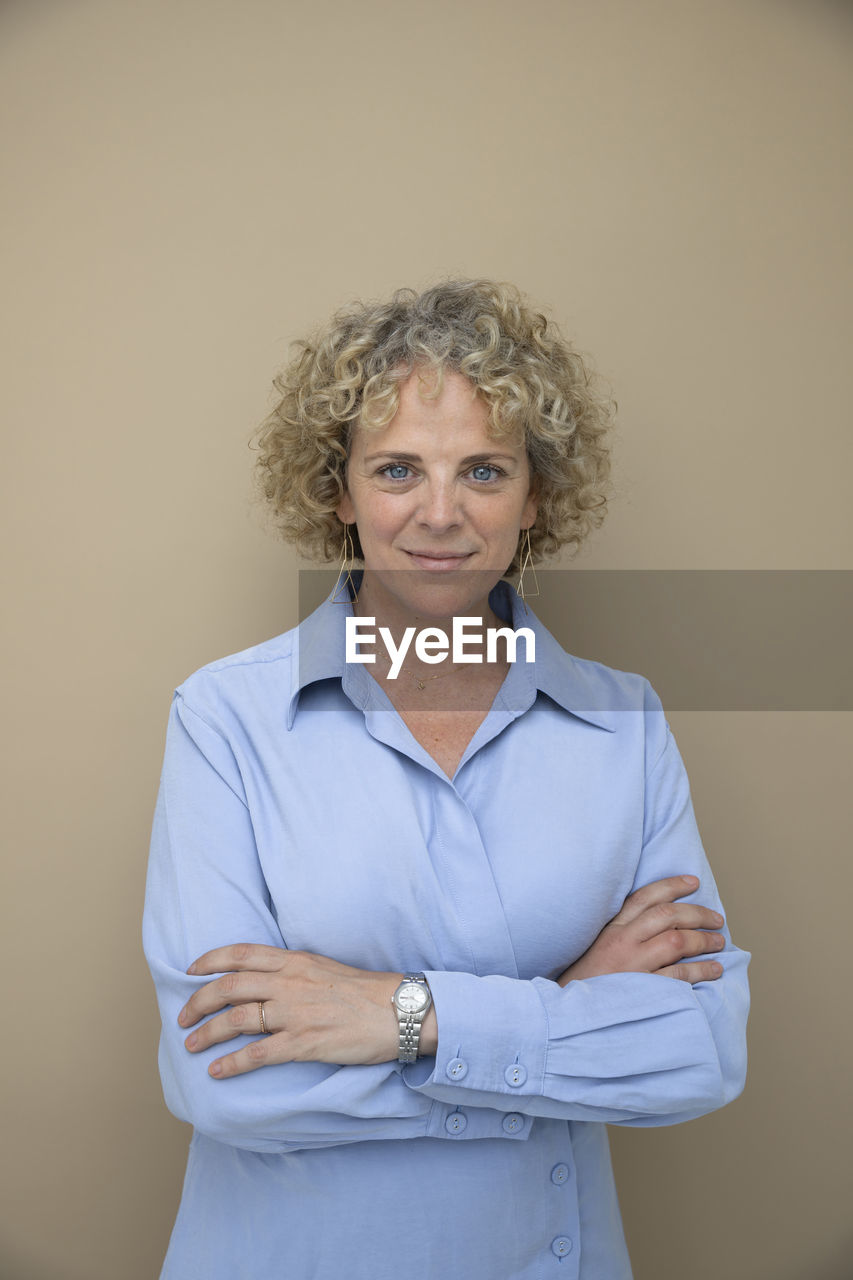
[(190, 184)]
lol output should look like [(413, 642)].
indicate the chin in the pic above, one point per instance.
[(436, 595), (448, 599)]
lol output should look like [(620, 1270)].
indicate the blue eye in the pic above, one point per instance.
[(484, 472), (396, 471)]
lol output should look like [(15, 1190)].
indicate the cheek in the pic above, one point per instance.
[(507, 522), (381, 519)]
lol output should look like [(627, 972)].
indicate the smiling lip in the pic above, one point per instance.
[(438, 561)]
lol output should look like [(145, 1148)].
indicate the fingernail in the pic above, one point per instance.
[(716, 969), (718, 917), (191, 968), (689, 880), (216, 1068), (191, 1041), (182, 1017)]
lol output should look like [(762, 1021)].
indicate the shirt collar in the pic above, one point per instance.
[(575, 685)]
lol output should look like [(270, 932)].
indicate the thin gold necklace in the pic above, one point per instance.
[(439, 675)]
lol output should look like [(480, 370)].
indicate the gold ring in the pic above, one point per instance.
[(261, 1004)]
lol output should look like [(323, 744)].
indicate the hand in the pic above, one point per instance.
[(315, 1009), (653, 934)]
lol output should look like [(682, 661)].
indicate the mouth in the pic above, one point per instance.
[(439, 561)]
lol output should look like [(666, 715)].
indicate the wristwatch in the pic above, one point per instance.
[(412, 1001)]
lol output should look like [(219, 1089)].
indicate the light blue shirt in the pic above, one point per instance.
[(296, 809)]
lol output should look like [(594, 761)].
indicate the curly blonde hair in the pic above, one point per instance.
[(536, 385)]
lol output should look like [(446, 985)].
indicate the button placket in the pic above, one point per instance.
[(470, 884)]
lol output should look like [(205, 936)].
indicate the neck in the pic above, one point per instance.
[(406, 637), (389, 611)]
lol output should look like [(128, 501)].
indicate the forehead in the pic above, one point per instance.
[(420, 391), (455, 413)]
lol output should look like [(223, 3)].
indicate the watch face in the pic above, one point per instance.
[(411, 998)]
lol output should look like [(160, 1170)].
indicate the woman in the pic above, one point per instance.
[(460, 909)]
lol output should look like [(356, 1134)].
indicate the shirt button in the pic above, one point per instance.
[(456, 1069), (456, 1122), (515, 1075), (561, 1246), (560, 1174), (512, 1122)]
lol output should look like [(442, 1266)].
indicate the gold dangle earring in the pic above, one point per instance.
[(526, 561), (350, 591)]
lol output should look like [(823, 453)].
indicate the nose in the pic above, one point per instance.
[(439, 509)]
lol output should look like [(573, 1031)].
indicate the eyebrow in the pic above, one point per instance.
[(470, 461)]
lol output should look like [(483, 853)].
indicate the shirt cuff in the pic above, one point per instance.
[(492, 1040)]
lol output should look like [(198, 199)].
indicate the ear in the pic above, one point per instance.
[(344, 510), (531, 507)]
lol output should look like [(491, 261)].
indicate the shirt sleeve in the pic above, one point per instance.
[(205, 889), (628, 1048)]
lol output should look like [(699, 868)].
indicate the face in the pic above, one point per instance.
[(438, 503)]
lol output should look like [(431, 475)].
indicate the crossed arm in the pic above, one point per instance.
[(317, 1010), (621, 1046)]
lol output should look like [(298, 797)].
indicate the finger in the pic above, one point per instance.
[(674, 915), (650, 895), (240, 955), (679, 944), (696, 971), (241, 1020), (231, 988), (260, 1053)]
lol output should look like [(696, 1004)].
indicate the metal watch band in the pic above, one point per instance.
[(410, 1025), (410, 1034)]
